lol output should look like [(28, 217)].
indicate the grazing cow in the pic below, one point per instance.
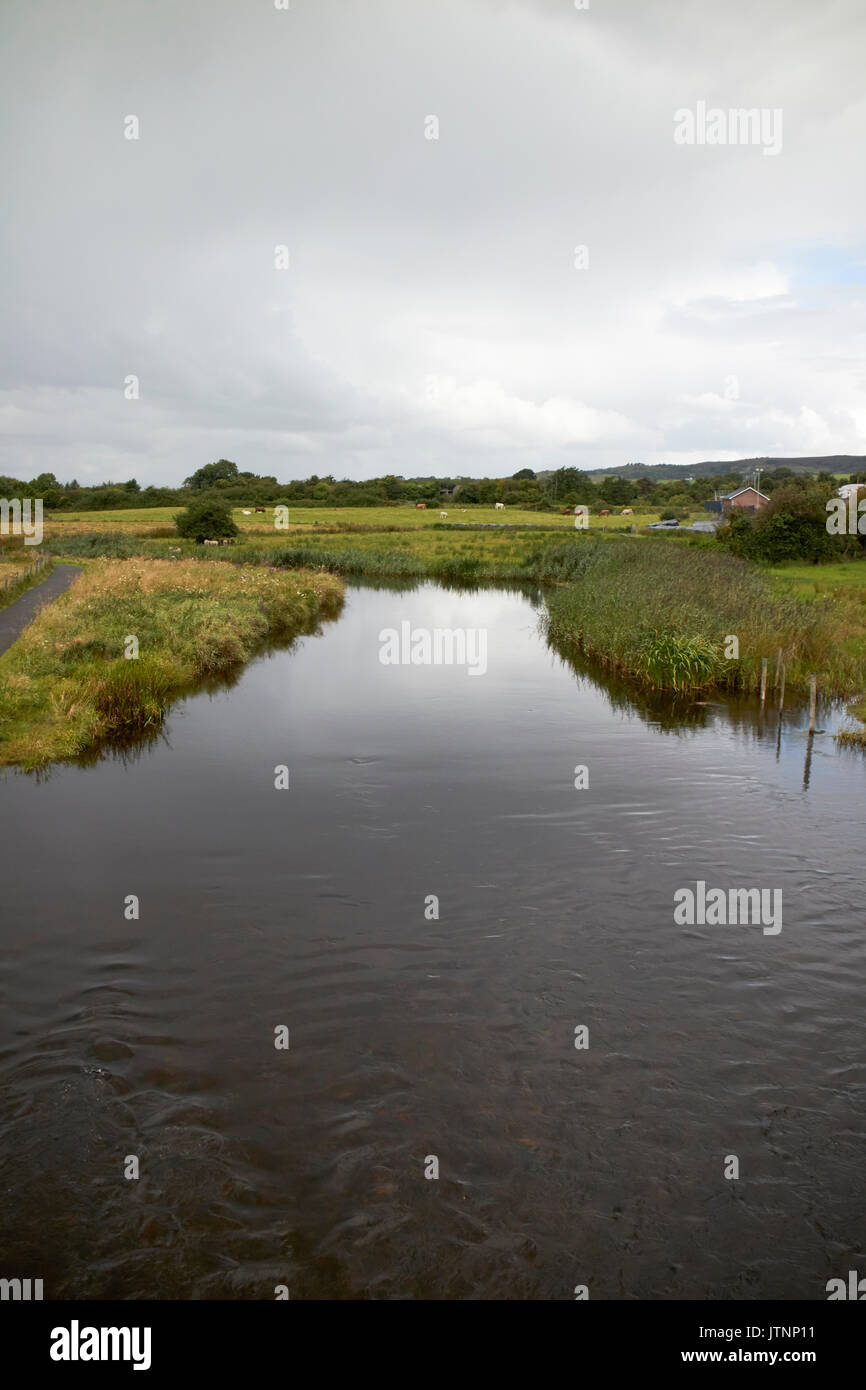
[(500, 506), (260, 509), (443, 516), (420, 506), (604, 512), (211, 542), (247, 511), (627, 511), (227, 540)]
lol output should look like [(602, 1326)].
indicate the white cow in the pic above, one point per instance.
[(443, 516), (211, 542), (500, 506)]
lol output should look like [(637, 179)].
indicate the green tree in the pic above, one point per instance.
[(681, 502), (211, 474), (617, 492), (792, 527), (205, 521)]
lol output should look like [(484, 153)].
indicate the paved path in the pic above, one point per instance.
[(21, 613)]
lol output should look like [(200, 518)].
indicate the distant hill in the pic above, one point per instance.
[(659, 472)]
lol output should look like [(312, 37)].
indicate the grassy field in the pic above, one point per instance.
[(811, 581), (66, 685), (437, 550), (142, 520)]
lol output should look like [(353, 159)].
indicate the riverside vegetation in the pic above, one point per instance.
[(66, 685), (656, 610)]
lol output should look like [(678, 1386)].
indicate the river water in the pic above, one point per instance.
[(419, 1034)]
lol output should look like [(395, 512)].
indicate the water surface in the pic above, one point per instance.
[(413, 1036)]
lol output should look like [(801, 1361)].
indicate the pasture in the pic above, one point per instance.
[(142, 520)]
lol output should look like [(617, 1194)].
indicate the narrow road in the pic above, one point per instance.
[(21, 613)]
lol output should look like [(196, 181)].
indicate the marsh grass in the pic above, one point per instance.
[(664, 614), (672, 661), (106, 545), (129, 695), (656, 609), (66, 686)]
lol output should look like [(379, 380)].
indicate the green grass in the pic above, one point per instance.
[(66, 685), (848, 576), (663, 615), (656, 608), (141, 520)]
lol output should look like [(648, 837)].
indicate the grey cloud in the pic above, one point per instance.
[(414, 259)]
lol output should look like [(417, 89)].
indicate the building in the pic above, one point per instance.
[(747, 498)]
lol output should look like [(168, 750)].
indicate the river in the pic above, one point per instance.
[(420, 1032)]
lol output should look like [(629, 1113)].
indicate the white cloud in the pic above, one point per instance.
[(411, 258)]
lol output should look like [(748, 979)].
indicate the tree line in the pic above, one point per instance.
[(549, 491)]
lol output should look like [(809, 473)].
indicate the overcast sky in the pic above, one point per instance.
[(432, 318)]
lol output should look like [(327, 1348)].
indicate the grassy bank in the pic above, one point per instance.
[(66, 685), (855, 735), (664, 616), (656, 609)]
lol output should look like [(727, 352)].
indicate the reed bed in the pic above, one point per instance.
[(665, 615)]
